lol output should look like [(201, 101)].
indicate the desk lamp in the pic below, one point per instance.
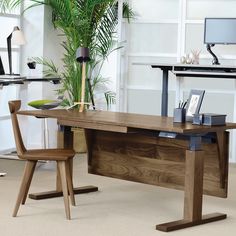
[(16, 38)]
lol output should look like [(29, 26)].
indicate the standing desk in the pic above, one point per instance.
[(188, 70), (132, 147), (8, 80)]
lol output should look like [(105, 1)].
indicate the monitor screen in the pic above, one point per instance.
[(220, 31)]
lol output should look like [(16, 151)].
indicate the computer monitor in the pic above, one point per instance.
[(219, 31)]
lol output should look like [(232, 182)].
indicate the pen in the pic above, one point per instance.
[(184, 104)]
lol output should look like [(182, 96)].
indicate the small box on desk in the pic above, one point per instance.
[(209, 119)]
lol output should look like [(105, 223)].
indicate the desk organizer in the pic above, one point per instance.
[(209, 119), (179, 115)]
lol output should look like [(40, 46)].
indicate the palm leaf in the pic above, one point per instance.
[(49, 69)]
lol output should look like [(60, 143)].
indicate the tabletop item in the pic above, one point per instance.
[(45, 104), (179, 115), (209, 119), (195, 56)]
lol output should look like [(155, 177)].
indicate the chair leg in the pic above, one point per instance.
[(70, 183), (24, 183), (62, 169), (58, 181), (28, 183)]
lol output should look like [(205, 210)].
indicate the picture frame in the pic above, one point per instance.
[(194, 103)]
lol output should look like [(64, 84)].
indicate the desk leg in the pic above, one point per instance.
[(67, 142), (193, 196), (164, 100)]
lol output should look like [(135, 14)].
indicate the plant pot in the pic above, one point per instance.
[(79, 142)]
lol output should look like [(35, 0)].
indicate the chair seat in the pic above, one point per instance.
[(48, 154)]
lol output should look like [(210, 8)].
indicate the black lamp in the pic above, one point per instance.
[(15, 38)]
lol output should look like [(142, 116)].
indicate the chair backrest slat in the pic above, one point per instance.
[(14, 106)]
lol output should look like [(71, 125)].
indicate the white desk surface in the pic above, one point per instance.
[(184, 65)]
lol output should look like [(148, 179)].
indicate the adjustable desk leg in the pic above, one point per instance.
[(67, 143), (194, 170), (164, 101)]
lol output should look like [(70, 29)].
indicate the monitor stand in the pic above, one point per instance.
[(215, 60)]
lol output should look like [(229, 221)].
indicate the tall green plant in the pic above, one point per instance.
[(84, 23)]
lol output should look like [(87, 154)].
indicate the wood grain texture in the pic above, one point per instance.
[(153, 160), (54, 193), (100, 119), (97, 126), (181, 224), (29, 181), (25, 183), (62, 169), (193, 188), (222, 145)]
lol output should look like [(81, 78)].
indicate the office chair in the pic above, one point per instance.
[(61, 156)]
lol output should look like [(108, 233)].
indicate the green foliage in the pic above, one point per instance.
[(4, 5), (49, 68), (83, 23)]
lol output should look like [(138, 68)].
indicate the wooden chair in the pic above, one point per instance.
[(61, 156)]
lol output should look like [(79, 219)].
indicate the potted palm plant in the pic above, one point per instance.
[(83, 23)]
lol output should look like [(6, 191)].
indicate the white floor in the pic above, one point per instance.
[(120, 208)]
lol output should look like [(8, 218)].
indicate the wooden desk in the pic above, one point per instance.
[(129, 147)]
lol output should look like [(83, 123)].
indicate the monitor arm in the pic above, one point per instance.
[(215, 60)]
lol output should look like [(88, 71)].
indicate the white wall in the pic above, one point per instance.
[(42, 41)]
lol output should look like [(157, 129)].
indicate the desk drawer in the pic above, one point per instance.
[(96, 126)]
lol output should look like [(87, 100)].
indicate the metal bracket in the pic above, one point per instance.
[(195, 143)]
